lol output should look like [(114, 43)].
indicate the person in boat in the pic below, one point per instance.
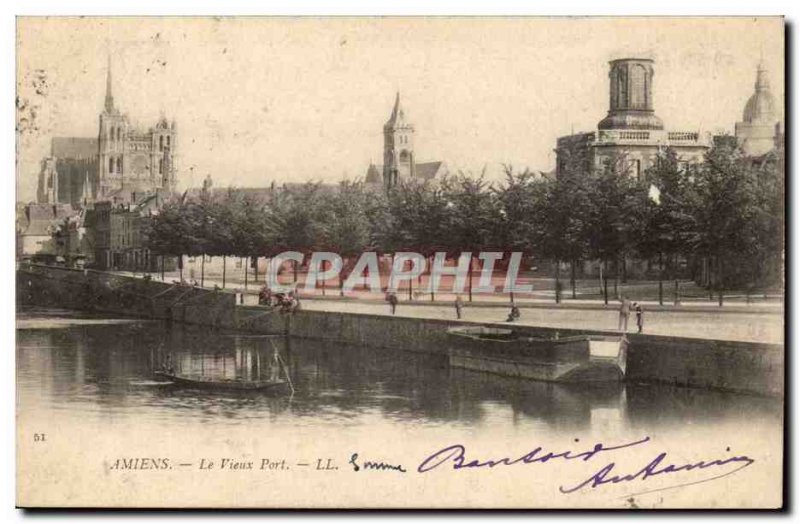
[(459, 305), (514, 314), (624, 314), (639, 316), (275, 367)]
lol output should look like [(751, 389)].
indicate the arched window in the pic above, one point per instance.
[(168, 141), (119, 164), (160, 166), (404, 156), (110, 165), (622, 88), (161, 143)]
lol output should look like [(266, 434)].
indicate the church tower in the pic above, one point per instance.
[(630, 104), (398, 147), (756, 133), (111, 144), (162, 155)]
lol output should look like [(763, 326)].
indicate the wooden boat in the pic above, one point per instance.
[(580, 358), (210, 383)]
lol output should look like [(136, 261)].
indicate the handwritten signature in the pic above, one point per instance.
[(456, 457), (604, 476), (371, 465)]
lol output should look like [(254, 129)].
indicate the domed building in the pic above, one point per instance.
[(630, 132), (756, 133)]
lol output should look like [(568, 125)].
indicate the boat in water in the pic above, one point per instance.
[(212, 383), (580, 358)]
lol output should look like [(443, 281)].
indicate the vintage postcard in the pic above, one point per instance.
[(415, 262)]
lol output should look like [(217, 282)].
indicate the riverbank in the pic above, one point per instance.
[(690, 297), (749, 367)]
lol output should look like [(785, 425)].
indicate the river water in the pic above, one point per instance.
[(101, 369)]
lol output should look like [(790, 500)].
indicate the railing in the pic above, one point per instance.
[(653, 137), (622, 136), (681, 136)]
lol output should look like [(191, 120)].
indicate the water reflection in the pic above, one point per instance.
[(107, 370)]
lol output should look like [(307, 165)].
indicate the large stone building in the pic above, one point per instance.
[(760, 130), (118, 231), (122, 161), (399, 160), (69, 174), (631, 132)]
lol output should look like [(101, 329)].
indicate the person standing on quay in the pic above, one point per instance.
[(624, 314), (639, 316), (459, 303)]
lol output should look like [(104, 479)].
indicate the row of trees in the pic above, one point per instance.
[(726, 212)]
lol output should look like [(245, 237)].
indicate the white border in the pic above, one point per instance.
[(313, 7)]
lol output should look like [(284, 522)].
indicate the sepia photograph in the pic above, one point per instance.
[(400, 262)]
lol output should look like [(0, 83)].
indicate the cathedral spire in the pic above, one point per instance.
[(109, 97), (396, 108)]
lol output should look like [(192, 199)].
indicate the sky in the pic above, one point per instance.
[(257, 100)]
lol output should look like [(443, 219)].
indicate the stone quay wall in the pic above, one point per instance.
[(744, 367)]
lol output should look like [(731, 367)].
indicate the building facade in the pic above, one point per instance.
[(631, 132), (118, 233)]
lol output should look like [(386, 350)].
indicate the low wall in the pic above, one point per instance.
[(103, 292), (733, 366)]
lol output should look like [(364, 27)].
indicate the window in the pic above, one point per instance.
[(119, 164), (168, 142), (636, 169), (160, 166), (638, 92), (110, 165), (161, 143), (622, 90)]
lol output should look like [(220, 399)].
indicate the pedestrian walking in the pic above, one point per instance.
[(624, 314), (392, 299), (459, 303), (639, 316)]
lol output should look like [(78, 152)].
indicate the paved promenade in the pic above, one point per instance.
[(750, 327), (736, 320)]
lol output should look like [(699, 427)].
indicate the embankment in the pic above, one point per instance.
[(733, 366)]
